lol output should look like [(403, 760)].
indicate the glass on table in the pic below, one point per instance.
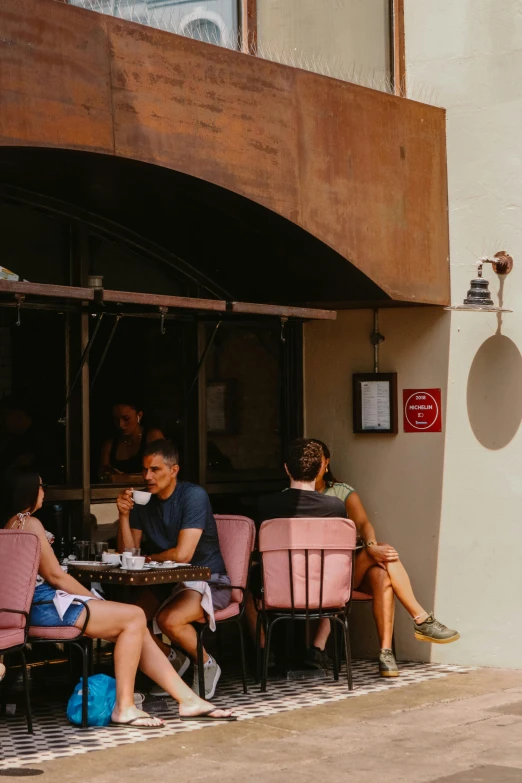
[(82, 550), (101, 547)]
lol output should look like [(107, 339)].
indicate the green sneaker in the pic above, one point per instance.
[(387, 664), (433, 631)]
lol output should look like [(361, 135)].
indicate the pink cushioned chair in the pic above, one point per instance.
[(19, 560), (66, 634), (307, 574), (237, 537)]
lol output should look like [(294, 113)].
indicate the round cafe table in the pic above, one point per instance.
[(150, 577)]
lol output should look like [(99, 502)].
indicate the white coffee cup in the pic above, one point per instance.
[(141, 498), (111, 558), (133, 562)]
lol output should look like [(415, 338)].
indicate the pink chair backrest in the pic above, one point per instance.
[(288, 544), (237, 537), (19, 561)]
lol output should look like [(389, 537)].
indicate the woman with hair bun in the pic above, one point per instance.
[(379, 571)]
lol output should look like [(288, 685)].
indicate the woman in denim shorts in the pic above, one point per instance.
[(123, 624)]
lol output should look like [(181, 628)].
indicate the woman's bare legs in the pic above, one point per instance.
[(383, 604), (155, 665), (399, 578), (403, 590), (126, 626)]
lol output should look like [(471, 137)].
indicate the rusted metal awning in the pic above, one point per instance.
[(383, 212), (100, 296)]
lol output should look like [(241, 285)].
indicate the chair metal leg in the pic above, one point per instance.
[(242, 650), (201, 672), (348, 652), (219, 646), (69, 648), (84, 649), (268, 639), (29, 717), (259, 649), (335, 642)]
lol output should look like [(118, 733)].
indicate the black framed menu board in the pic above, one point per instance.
[(375, 402)]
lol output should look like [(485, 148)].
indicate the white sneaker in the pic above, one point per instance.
[(180, 662), (212, 673)]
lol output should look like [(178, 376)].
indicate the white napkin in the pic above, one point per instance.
[(63, 600)]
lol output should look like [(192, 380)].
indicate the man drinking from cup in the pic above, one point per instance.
[(175, 524)]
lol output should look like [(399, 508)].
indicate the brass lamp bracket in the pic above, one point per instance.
[(501, 262), (479, 298)]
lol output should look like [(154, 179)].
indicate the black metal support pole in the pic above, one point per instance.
[(201, 362), (106, 349), (84, 359)]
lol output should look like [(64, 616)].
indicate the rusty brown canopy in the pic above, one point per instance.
[(361, 171)]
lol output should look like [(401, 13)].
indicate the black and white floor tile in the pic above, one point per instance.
[(55, 737)]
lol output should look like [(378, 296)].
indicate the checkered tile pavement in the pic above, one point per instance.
[(55, 737)]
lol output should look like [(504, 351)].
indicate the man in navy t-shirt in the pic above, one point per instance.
[(177, 524)]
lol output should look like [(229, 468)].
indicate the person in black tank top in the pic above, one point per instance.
[(124, 452)]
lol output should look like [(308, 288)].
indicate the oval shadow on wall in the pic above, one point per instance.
[(494, 393)]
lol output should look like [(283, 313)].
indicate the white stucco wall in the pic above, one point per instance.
[(451, 504), (471, 52)]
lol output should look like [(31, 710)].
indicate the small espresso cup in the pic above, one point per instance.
[(134, 563), (141, 498), (129, 553)]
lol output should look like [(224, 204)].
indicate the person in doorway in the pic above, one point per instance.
[(379, 571), (123, 453), (125, 625), (177, 524), (303, 465)]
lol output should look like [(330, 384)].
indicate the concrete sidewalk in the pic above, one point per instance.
[(463, 728)]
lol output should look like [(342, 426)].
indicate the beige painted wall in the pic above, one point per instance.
[(399, 477), (450, 503), (351, 36), (471, 52)]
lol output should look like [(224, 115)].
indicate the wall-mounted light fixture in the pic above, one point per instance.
[(479, 298)]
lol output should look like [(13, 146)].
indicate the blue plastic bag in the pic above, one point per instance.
[(100, 703)]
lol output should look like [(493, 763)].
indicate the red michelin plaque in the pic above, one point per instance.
[(422, 410)]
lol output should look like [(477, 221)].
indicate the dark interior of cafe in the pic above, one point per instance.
[(225, 387)]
